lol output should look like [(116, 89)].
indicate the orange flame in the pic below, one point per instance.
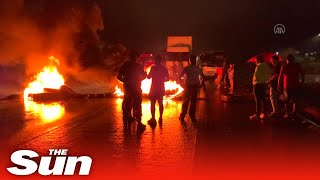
[(118, 92), (48, 78), (171, 86)]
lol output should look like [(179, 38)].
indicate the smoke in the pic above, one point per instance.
[(33, 30), (18, 36)]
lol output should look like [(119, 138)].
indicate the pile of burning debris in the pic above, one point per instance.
[(49, 85)]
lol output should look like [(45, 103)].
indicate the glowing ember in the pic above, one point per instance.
[(48, 78), (170, 86)]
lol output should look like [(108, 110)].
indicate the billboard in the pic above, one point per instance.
[(179, 44)]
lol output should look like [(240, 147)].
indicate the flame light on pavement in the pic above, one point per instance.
[(171, 109), (46, 112), (49, 77)]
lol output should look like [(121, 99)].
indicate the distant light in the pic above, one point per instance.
[(319, 34), (277, 53), (151, 55)]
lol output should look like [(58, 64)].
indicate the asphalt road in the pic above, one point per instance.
[(223, 144)]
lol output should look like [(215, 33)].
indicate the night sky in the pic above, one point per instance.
[(238, 27)]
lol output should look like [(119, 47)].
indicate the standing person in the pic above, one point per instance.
[(194, 74), (260, 78), (218, 79), (231, 76), (159, 75), (289, 74), (225, 73), (273, 86), (131, 74)]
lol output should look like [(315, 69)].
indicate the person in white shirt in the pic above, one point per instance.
[(259, 81)]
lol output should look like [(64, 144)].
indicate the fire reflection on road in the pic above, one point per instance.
[(167, 146), (46, 112), (171, 108)]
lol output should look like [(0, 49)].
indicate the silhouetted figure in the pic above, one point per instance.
[(289, 74), (159, 75), (131, 74), (259, 81), (225, 74), (273, 86), (231, 76), (193, 83)]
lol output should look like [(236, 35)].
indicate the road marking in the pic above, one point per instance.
[(308, 120)]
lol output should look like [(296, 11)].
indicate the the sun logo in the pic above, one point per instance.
[(64, 165)]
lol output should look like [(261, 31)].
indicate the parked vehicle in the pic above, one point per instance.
[(209, 61)]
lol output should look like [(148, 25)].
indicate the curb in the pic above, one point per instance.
[(309, 113)]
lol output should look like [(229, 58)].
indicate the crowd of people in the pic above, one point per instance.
[(275, 76), (131, 73), (279, 78), (224, 74)]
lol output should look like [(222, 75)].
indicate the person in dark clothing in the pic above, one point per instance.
[(193, 73), (131, 74), (289, 75), (273, 85), (159, 75), (225, 74)]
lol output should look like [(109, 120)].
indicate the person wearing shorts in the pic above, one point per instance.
[(273, 86), (193, 82), (219, 73), (159, 75), (259, 81), (289, 80), (291, 94)]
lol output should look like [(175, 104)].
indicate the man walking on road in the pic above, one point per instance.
[(131, 74), (273, 85), (289, 74), (193, 73), (159, 75)]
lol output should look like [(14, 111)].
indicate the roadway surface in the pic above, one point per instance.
[(223, 144)]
